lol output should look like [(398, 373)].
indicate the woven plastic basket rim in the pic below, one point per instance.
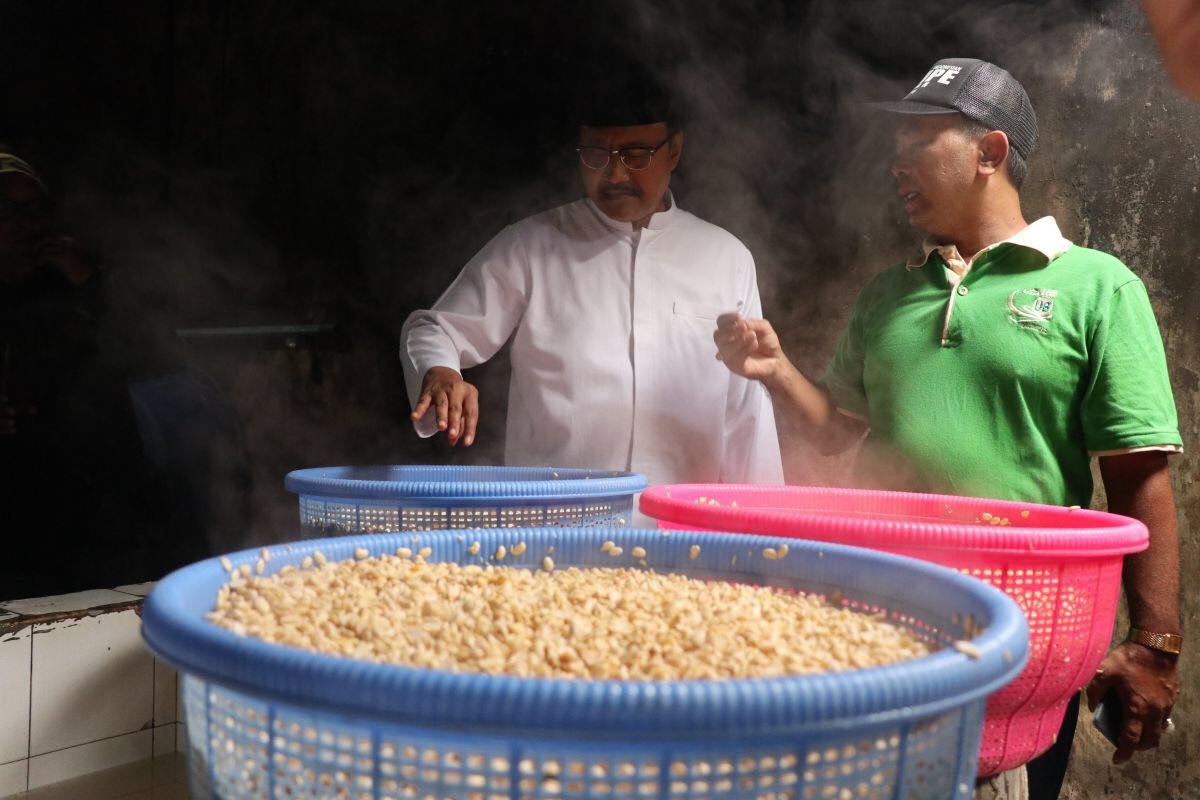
[(176, 630), (456, 482), (1090, 534)]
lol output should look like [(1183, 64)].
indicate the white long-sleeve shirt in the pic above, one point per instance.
[(613, 362)]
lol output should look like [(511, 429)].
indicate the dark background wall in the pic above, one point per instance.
[(285, 163)]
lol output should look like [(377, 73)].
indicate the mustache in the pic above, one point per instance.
[(620, 188)]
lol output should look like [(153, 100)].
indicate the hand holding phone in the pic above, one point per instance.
[(1109, 716)]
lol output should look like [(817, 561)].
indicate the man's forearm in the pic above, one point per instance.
[(811, 411), (1139, 486), (1145, 678)]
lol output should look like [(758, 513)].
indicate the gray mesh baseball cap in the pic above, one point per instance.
[(980, 91)]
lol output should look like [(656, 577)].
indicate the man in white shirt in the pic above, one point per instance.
[(609, 302)]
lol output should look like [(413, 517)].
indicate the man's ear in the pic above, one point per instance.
[(676, 147), (993, 152)]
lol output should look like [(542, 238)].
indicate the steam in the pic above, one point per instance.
[(781, 152), (386, 155)]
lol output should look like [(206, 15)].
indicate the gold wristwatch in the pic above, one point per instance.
[(1163, 642)]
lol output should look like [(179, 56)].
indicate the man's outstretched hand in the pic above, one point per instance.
[(454, 402)]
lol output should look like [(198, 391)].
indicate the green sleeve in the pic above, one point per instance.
[(843, 378), (1128, 401)]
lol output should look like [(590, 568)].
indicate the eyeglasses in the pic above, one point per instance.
[(634, 158)]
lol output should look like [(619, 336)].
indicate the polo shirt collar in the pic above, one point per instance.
[(658, 220), (1042, 236)]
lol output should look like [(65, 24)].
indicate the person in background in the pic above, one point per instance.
[(83, 507), (609, 301), (41, 275), (28, 240), (997, 363), (1175, 25)]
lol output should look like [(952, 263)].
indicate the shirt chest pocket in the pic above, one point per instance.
[(703, 313)]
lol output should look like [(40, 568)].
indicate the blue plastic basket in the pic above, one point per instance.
[(270, 721), (336, 501)]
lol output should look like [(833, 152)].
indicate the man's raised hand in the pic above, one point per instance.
[(749, 347)]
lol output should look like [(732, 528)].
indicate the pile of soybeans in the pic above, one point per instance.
[(598, 623)]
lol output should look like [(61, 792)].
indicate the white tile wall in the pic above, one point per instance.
[(136, 589), (13, 777), (72, 762), (15, 648), (164, 739), (65, 602), (166, 694), (92, 679), (98, 698)]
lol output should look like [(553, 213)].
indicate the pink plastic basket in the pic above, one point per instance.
[(1061, 565)]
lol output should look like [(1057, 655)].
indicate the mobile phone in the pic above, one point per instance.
[(1109, 716)]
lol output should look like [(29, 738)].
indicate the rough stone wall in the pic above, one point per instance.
[(1121, 170)]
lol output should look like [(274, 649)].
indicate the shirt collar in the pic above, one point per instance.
[(1041, 235), (658, 220)]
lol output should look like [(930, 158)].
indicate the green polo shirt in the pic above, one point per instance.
[(1005, 385)]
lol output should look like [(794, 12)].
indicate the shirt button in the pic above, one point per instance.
[(962, 290)]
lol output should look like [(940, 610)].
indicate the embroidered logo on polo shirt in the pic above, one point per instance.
[(1032, 309)]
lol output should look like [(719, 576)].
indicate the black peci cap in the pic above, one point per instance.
[(623, 94), (979, 90)]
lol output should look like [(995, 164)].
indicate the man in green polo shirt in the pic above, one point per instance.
[(997, 364)]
